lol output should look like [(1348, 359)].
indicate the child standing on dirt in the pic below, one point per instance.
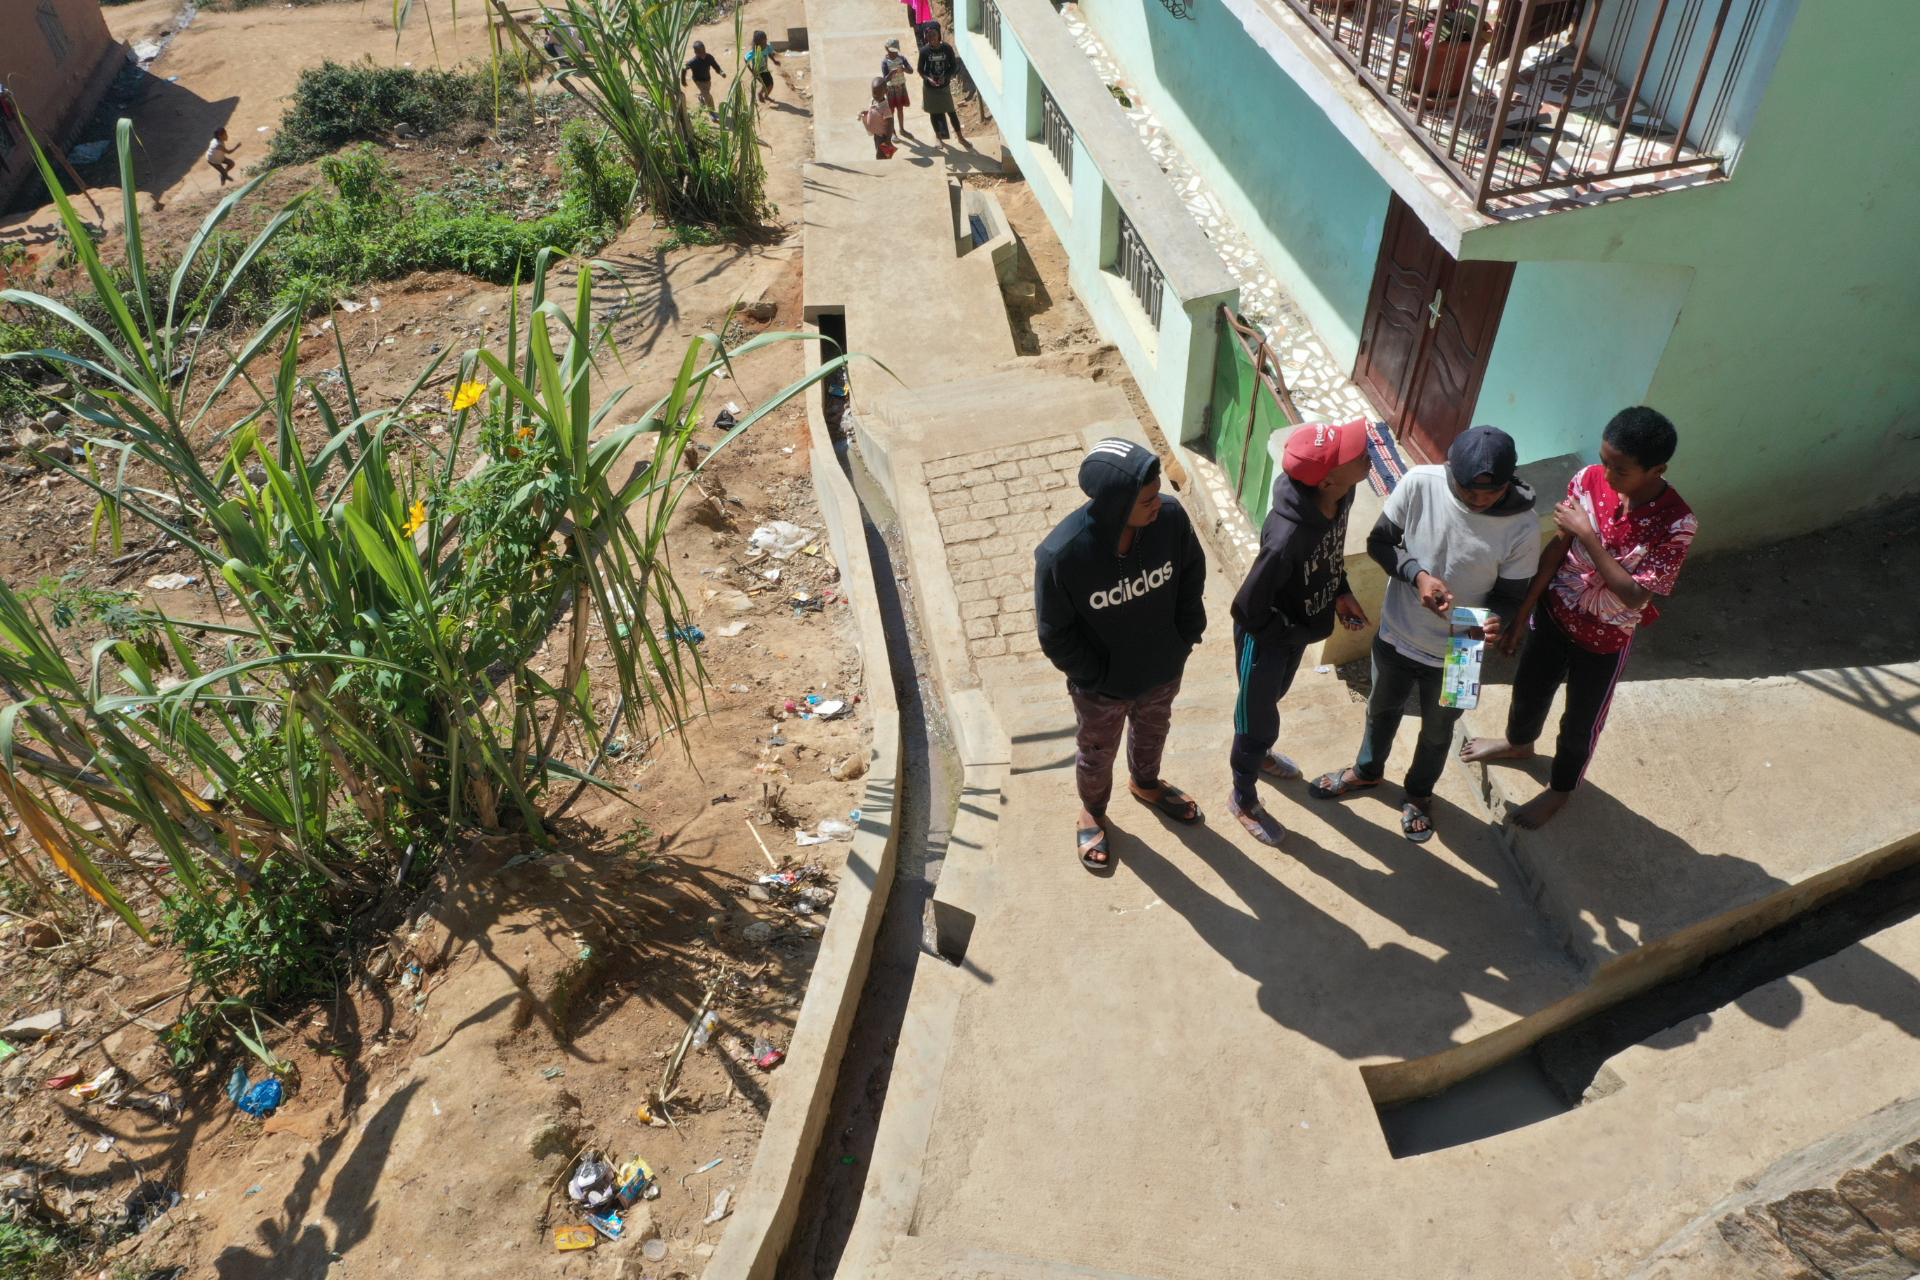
[(758, 57), (878, 120), (701, 67), (894, 68), (1624, 533), (1293, 593), (938, 65), (218, 152)]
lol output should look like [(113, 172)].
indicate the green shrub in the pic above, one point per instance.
[(337, 103), (367, 229), (271, 944)]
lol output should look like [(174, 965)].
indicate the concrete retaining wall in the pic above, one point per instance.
[(1112, 173), (769, 1206)]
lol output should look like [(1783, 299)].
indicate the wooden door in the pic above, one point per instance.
[(1429, 329)]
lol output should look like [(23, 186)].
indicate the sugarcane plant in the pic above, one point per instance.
[(368, 666)]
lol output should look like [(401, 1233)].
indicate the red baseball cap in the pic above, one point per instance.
[(1316, 448)]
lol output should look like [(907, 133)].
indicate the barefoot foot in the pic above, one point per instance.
[(1537, 812), (1474, 750)]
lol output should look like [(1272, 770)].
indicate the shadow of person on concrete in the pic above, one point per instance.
[(1318, 976)]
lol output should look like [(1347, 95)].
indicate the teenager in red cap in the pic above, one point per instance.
[(1296, 588)]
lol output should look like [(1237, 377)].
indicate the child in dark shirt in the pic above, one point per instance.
[(701, 67)]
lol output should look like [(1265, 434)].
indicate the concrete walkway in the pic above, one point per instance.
[(1159, 1073)]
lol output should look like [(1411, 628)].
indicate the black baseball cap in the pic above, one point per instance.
[(1480, 451)]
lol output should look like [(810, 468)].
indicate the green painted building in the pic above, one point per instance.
[(1709, 206)]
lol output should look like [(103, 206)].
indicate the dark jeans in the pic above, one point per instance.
[(1395, 676), (1550, 656), (1099, 722), (1266, 673), (940, 119)]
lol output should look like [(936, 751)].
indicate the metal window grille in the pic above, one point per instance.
[(1137, 267), (990, 23), (54, 30), (1058, 133), (1523, 97)]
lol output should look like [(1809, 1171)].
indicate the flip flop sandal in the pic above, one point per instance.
[(1091, 840), (1330, 785), (1173, 802), (1409, 814), (1258, 823), (1276, 765)]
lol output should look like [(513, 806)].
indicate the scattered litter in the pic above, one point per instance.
[(653, 1250), (148, 1202), (832, 709), (725, 421), (732, 407), (553, 1073), (170, 581), (834, 829), (728, 632), (760, 933), (257, 1100), (105, 1144), (250, 1190), (765, 1056), (853, 815), (852, 767), (75, 1154), (704, 1030), (779, 539), (689, 634), (349, 305), (87, 152), (607, 1224), (813, 550), (565, 1238), (592, 1182), (1322, 670), (712, 1164), (771, 575), (801, 837), (719, 1207), (95, 1085), (634, 1180), (6, 1051), (644, 1115)]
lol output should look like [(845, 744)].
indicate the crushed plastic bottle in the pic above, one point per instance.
[(709, 1023)]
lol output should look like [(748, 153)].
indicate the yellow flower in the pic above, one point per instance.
[(467, 395), (416, 516), (525, 433)]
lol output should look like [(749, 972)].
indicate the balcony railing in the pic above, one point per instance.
[(990, 25), (1057, 132), (1136, 266), (1516, 97)]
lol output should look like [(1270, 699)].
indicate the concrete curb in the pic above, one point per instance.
[(769, 1208)]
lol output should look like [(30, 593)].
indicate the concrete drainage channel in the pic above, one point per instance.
[(925, 801), (1567, 1067)]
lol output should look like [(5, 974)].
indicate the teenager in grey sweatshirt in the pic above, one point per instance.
[(1459, 535)]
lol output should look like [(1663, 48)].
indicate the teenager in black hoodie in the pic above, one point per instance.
[(1296, 588), (1117, 605)]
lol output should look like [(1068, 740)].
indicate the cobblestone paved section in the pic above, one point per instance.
[(993, 508)]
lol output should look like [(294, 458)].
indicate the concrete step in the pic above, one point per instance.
[(1004, 398)]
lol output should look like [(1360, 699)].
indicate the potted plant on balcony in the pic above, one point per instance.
[(1443, 52)]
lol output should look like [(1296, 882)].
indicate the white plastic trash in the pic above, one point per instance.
[(833, 829), (779, 539)]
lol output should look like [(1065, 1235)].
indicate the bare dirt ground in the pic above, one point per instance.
[(491, 1027)]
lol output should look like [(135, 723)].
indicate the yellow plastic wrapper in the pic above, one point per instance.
[(565, 1238)]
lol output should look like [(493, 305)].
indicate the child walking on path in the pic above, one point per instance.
[(878, 121), (758, 56), (1293, 592), (1624, 533), (1117, 603), (938, 65), (701, 67), (1463, 534), (218, 152), (894, 68)]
